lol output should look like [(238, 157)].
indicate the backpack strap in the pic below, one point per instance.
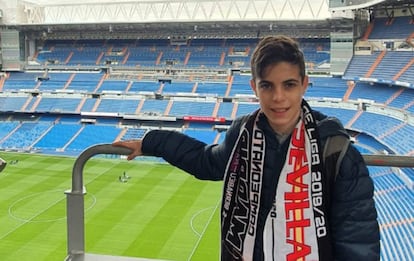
[(333, 153)]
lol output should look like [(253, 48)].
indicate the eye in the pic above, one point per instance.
[(264, 85), (290, 85)]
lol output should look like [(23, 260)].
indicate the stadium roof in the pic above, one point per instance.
[(131, 19), (224, 17), (148, 11), (336, 5)]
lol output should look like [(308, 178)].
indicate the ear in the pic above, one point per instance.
[(253, 86)]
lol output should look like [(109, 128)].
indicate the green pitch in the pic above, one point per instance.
[(160, 212)]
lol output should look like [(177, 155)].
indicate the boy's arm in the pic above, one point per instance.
[(193, 156), (354, 224)]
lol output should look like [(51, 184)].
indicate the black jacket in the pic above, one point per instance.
[(353, 217)]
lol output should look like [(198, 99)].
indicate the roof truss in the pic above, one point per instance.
[(173, 11)]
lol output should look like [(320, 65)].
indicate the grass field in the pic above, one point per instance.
[(160, 213)]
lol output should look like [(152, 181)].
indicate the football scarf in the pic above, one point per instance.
[(296, 227)]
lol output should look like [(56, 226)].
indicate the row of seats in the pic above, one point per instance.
[(394, 206), (320, 87), (393, 66), (144, 52), (395, 28), (52, 133)]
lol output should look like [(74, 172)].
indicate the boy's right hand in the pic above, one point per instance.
[(134, 145)]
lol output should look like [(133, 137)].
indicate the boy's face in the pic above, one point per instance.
[(280, 94)]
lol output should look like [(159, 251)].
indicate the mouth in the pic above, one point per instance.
[(279, 110)]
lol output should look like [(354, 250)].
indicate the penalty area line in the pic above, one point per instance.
[(200, 235)]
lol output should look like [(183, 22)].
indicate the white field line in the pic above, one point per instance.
[(200, 235), (39, 213)]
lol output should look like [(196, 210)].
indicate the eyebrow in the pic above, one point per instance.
[(291, 80), (285, 81)]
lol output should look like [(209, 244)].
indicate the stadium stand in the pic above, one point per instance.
[(120, 88)]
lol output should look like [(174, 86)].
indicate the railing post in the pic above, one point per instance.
[(75, 200)]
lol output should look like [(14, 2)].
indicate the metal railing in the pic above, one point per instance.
[(75, 196), (389, 160), (75, 201)]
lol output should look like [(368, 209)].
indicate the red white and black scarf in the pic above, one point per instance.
[(296, 227)]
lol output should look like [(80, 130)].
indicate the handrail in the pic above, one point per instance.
[(75, 196), (389, 160), (77, 173)]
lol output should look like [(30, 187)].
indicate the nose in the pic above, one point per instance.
[(278, 94)]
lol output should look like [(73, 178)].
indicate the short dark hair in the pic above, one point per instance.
[(274, 49)]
